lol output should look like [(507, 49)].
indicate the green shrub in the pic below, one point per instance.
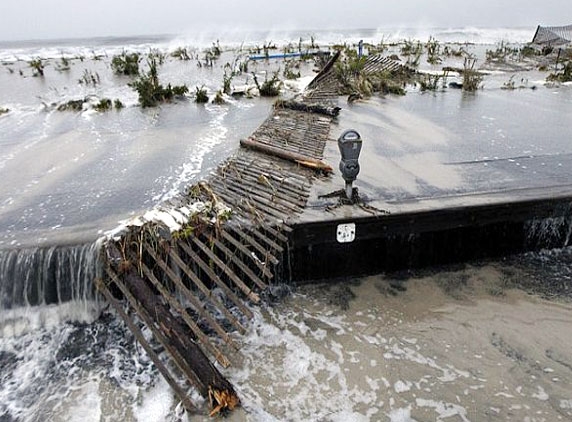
[(201, 95), (104, 104), (564, 76), (38, 67), (270, 87), (150, 90), (126, 64), (72, 105)]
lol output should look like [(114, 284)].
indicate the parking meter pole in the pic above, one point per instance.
[(349, 190)]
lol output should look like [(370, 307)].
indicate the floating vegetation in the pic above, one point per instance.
[(411, 48), (270, 87), (471, 78), (38, 67), (150, 90), (201, 95), (390, 82), (4, 110), (72, 105), (118, 104), (126, 64), (565, 75), (89, 78), (348, 68), (449, 51)]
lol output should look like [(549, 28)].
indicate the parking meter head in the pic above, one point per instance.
[(350, 144)]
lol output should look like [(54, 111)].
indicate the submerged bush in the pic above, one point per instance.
[(563, 76), (431, 82), (201, 95), (72, 105), (150, 90), (103, 105), (471, 78), (181, 53), (270, 87), (38, 67), (219, 99), (89, 78), (118, 104), (125, 64)]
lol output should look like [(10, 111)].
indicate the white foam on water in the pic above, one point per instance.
[(19, 321), (216, 135), (155, 404), (402, 414), (444, 410)]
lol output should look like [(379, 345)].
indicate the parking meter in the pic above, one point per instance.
[(349, 143)]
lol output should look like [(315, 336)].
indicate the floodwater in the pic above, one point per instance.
[(457, 343), (70, 176)]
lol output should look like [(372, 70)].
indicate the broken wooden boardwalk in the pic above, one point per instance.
[(185, 294)]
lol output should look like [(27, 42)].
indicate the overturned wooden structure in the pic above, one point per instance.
[(186, 293)]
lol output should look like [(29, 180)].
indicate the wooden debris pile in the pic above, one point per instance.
[(192, 283)]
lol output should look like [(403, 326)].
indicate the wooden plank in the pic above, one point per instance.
[(229, 255), (148, 349), (254, 243), (191, 297), (174, 303), (303, 160), (235, 279), (248, 254), (215, 279), (146, 317)]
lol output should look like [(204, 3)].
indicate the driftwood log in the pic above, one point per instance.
[(301, 159), (308, 108)]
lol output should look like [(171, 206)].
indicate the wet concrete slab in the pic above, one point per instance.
[(419, 159)]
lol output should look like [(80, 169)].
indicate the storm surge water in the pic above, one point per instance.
[(70, 177)]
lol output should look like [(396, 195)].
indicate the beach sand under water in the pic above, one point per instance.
[(481, 341)]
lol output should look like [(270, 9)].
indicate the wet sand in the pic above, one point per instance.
[(456, 346)]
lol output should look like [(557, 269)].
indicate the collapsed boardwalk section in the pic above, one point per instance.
[(186, 293)]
